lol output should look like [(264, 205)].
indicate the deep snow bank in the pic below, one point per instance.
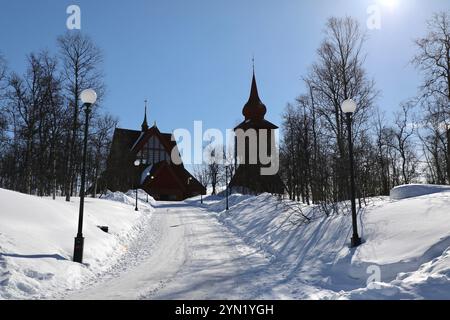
[(129, 197), (415, 190), (405, 240), (37, 235)]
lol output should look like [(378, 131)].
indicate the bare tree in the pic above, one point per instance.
[(338, 75), (81, 68), (38, 122), (26, 96), (3, 75), (433, 60), (201, 174), (35, 108), (100, 144), (433, 135), (214, 167), (403, 133), (3, 116), (433, 57)]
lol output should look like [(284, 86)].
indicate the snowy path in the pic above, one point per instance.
[(183, 253)]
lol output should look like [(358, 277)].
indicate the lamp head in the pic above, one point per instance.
[(348, 106), (88, 96)]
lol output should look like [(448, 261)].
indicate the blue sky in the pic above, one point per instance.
[(192, 59)]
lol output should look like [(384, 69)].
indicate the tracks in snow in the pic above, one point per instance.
[(182, 253)]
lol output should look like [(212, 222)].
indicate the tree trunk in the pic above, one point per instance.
[(448, 154)]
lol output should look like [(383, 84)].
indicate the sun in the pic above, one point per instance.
[(389, 3)]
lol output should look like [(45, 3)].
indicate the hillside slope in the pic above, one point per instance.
[(259, 249), (406, 242), (37, 236)]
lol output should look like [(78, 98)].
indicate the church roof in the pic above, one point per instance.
[(255, 124), (125, 138), (254, 111), (132, 139), (165, 138)]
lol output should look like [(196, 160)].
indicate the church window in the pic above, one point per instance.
[(153, 151)]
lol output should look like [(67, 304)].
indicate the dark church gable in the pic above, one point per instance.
[(156, 173)]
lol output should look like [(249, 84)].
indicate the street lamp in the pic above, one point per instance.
[(88, 97), (226, 186), (151, 178), (349, 107), (188, 183), (137, 163)]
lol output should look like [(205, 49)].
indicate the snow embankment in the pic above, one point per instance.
[(37, 238), (405, 243), (416, 190)]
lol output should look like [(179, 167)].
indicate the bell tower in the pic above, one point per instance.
[(254, 147)]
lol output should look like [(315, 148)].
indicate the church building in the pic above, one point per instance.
[(143, 159), (249, 177)]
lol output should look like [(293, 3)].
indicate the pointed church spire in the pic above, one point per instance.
[(253, 64), (254, 96), (254, 108), (144, 125)]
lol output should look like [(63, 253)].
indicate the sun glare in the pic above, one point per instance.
[(389, 3)]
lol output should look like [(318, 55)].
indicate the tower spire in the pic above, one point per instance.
[(144, 125), (254, 108), (254, 96), (253, 64)]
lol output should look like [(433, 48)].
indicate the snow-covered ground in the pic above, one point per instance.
[(259, 249), (37, 238), (416, 190), (407, 243)]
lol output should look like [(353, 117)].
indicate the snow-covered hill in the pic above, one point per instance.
[(407, 242), (37, 238), (261, 248)]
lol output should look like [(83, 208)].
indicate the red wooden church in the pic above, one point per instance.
[(142, 159)]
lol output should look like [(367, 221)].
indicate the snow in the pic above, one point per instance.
[(195, 257), (407, 240), (37, 238), (260, 249), (416, 190), (129, 197)]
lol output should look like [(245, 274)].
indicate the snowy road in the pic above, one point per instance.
[(183, 253)]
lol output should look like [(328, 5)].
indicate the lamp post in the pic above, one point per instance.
[(226, 186), (349, 107), (88, 97), (145, 162), (151, 180), (188, 183), (137, 163)]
